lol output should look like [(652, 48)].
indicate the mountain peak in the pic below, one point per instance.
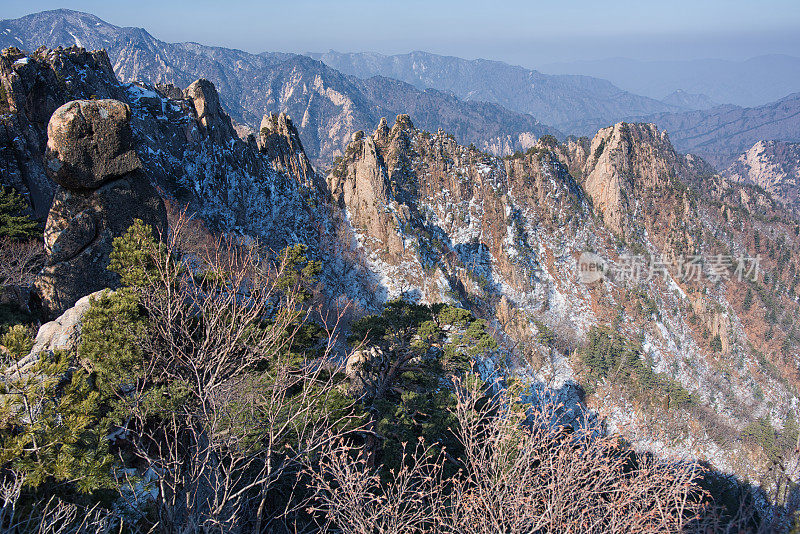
[(382, 132), (688, 100), (624, 161)]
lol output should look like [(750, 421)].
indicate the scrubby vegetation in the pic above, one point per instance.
[(210, 393), (14, 222), (21, 257)]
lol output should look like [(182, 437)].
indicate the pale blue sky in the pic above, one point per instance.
[(523, 32)]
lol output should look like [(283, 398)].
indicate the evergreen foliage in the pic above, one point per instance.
[(14, 223), (424, 346), (716, 343), (609, 355), (49, 430), (748, 300), (298, 272)]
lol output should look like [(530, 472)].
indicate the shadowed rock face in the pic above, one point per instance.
[(101, 190)]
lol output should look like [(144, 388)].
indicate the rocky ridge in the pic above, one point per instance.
[(504, 237), (720, 134), (188, 151), (417, 215), (773, 166)]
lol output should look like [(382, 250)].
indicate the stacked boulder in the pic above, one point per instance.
[(101, 190)]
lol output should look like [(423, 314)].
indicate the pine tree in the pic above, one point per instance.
[(748, 300), (14, 223), (408, 394), (48, 428)]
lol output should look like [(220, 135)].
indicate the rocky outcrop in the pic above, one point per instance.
[(213, 119), (625, 160), (31, 88), (279, 141), (61, 334), (774, 166), (362, 369), (101, 190), (90, 143), (186, 149), (714, 320), (438, 218), (361, 184)]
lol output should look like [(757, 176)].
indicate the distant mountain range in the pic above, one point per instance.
[(581, 105), (574, 104), (500, 108), (722, 133), (691, 101), (753, 82), (327, 105)]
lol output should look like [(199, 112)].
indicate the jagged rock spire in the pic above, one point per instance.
[(381, 135), (210, 114), (279, 141), (33, 86), (625, 159), (402, 124)]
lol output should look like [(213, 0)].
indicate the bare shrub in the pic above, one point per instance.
[(51, 517), (237, 409), (519, 474), (20, 261), (350, 496)]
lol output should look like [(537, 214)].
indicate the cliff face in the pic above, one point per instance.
[(774, 166), (624, 161), (505, 238)]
